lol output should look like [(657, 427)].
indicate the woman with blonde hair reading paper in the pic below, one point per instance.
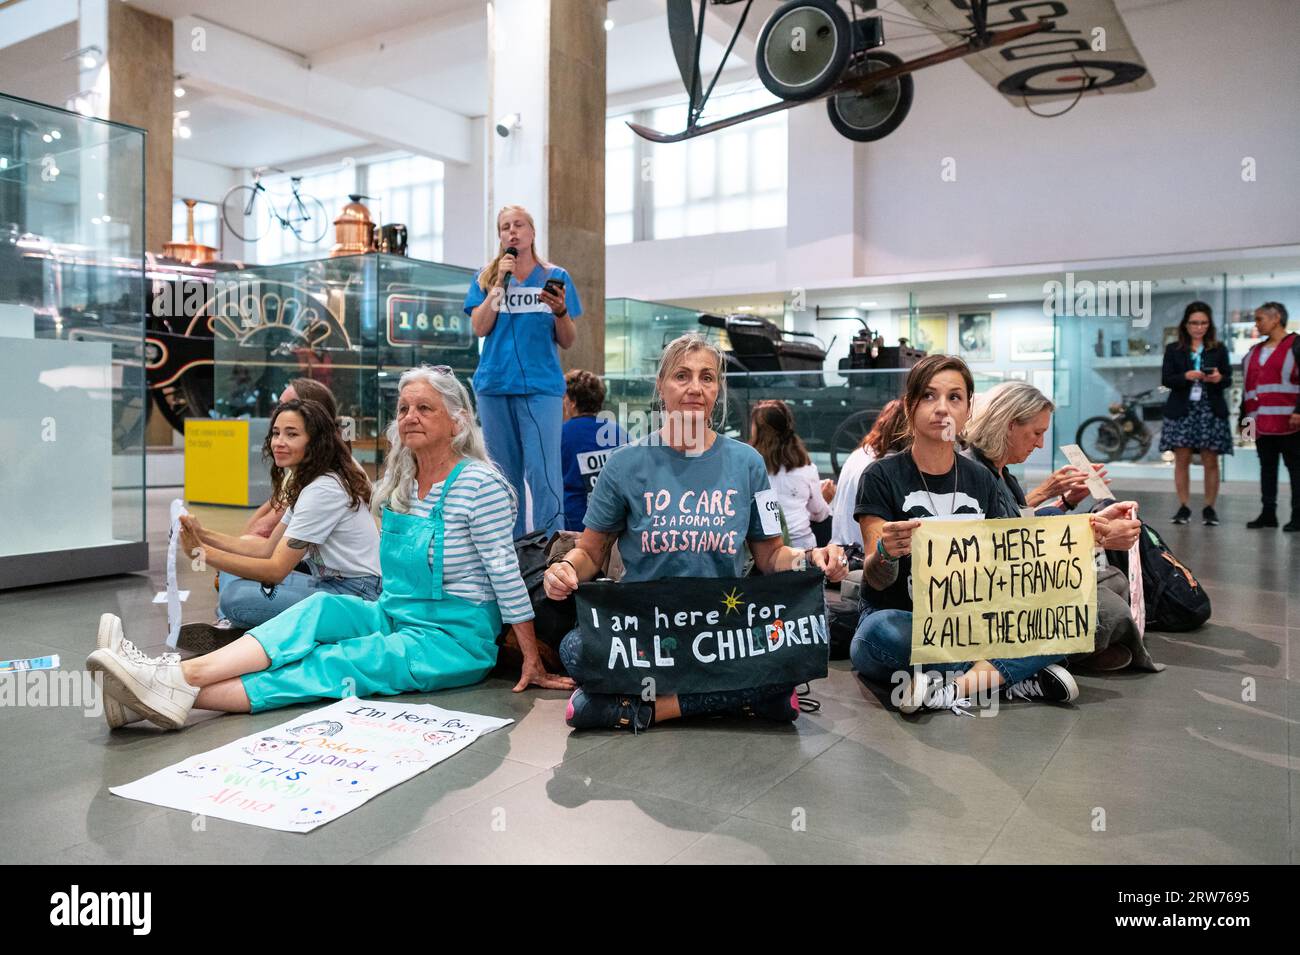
[(685, 460), (451, 578), (1008, 424)]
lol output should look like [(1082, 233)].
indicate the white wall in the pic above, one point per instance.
[(1123, 175), (205, 181), (465, 212)]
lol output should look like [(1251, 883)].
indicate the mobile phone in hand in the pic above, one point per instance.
[(555, 287)]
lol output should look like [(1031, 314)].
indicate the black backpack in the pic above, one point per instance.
[(1175, 599)]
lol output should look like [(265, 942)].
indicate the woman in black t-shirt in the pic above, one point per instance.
[(930, 479)]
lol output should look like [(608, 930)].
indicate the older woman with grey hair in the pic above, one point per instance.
[(686, 459), (1007, 424), (451, 578)]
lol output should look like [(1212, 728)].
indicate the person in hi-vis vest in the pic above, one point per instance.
[(523, 308), (1272, 402)]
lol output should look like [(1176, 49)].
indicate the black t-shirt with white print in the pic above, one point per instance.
[(892, 489)]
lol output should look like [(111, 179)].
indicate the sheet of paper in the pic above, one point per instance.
[(1096, 486)]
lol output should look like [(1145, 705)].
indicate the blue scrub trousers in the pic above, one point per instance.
[(522, 433), (319, 645)]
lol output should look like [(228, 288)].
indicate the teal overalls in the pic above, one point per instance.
[(415, 637)]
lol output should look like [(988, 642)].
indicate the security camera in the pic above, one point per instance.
[(507, 124)]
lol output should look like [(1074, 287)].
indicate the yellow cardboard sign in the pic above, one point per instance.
[(1000, 589), (216, 461)]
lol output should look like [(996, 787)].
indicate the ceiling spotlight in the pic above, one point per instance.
[(179, 91), (609, 24), (107, 218), (184, 132), (55, 134), (47, 138), (507, 124), (89, 61), (997, 294)]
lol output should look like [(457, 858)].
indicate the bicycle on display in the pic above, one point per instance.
[(1122, 434), (249, 211)]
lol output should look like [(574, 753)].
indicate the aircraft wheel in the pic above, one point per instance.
[(866, 117), (803, 49)]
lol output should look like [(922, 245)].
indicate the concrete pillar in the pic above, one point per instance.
[(141, 80), (547, 64)]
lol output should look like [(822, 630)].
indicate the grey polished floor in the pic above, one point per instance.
[(1200, 763)]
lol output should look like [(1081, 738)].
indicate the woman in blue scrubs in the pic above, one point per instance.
[(518, 385), (451, 578)]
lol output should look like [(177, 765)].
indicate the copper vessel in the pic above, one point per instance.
[(189, 251), (354, 230)]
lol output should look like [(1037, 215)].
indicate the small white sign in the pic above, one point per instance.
[(1096, 486), (769, 512)]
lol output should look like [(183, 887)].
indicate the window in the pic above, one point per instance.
[(408, 189), (728, 181), (404, 189), (279, 244)]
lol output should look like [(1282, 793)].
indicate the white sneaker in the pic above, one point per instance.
[(930, 692), (152, 686), (110, 637)]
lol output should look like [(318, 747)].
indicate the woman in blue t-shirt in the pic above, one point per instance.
[(523, 307), (685, 460)]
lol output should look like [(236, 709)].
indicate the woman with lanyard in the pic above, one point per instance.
[(930, 479), (1197, 373), (1008, 423), (523, 307), (686, 460), (451, 578)]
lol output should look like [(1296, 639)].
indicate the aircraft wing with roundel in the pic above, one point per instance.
[(1090, 49)]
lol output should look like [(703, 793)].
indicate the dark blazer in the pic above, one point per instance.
[(1178, 362)]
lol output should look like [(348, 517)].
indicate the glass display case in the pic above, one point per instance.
[(353, 322), (833, 408), (72, 359), (1109, 394)]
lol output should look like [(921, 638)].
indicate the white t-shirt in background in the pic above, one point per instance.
[(344, 539), (800, 494), (844, 529)]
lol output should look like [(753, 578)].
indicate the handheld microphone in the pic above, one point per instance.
[(505, 276)]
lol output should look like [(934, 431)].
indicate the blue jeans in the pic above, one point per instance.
[(691, 704), (522, 433), (248, 603), (882, 645)]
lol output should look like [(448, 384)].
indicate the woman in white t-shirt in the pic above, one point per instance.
[(326, 525), (802, 493), (886, 435)]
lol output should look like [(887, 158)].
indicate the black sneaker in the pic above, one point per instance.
[(1052, 684), (201, 638), (609, 711), (1184, 514), (1265, 519), (1209, 517), (1292, 525), (782, 707)]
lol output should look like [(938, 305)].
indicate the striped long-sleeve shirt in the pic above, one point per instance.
[(479, 561)]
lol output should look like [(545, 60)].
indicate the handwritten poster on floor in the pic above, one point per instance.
[(1000, 589), (703, 635), (315, 767)]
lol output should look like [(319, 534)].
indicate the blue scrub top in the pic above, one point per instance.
[(520, 356)]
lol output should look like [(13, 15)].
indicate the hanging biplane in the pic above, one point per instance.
[(1029, 50)]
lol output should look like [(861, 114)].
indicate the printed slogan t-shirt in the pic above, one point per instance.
[(892, 488), (680, 515)]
